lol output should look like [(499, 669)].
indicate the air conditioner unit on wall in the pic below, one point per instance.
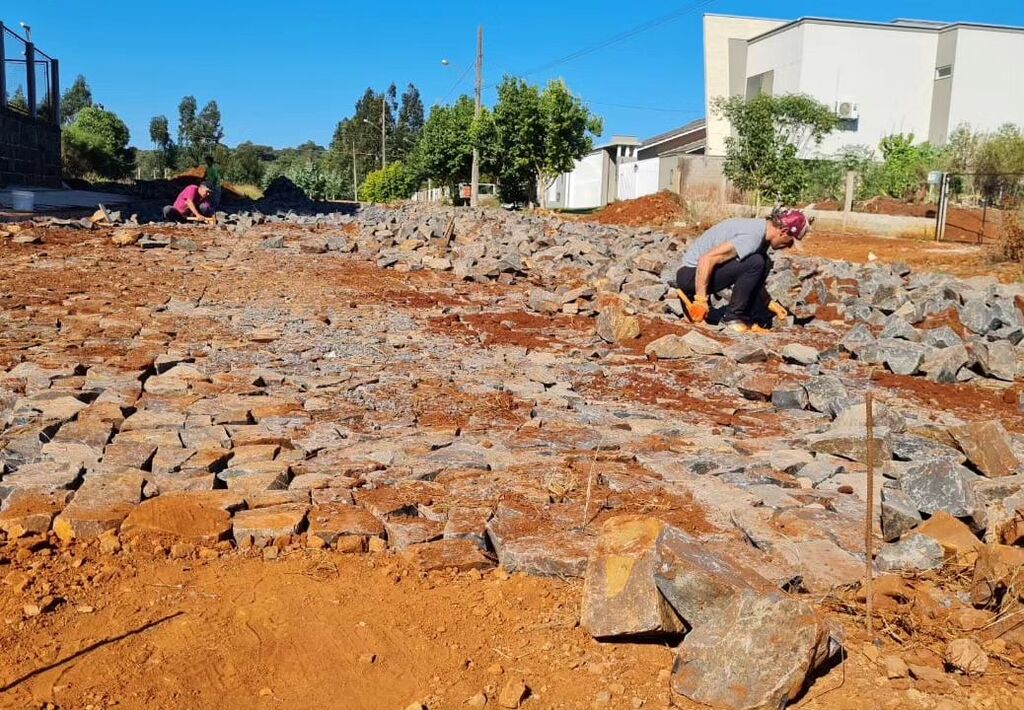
[(847, 110)]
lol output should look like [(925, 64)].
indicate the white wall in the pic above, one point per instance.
[(718, 30), (988, 87), (584, 183), (647, 172), (889, 73)]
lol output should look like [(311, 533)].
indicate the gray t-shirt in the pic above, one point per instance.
[(745, 235)]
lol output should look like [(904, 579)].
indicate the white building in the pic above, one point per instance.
[(907, 76)]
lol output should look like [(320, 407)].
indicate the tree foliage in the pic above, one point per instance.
[(245, 165), (75, 98), (96, 143), (394, 182), (904, 167), (17, 100), (164, 153), (445, 150), (771, 132)]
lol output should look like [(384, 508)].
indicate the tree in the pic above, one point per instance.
[(770, 133), (97, 143), (569, 128), (186, 121), (904, 166), (1000, 161), (445, 150), (18, 102), (77, 97), (410, 123), (246, 166), (537, 135), (395, 182), (160, 135), (518, 148)]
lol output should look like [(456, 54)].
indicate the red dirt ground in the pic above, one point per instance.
[(657, 209)]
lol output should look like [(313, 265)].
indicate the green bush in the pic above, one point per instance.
[(317, 182), (394, 182), (96, 143)]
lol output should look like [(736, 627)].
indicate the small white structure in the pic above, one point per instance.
[(593, 182), (907, 76)]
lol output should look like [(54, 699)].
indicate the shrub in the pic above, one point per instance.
[(96, 143), (394, 182), (1010, 246)]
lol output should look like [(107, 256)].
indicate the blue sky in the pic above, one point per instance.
[(286, 72)]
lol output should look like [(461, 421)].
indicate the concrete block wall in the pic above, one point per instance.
[(29, 151)]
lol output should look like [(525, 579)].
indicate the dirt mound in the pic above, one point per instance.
[(281, 189), (657, 209)]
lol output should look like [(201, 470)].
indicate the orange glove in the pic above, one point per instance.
[(698, 309), (779, 310)]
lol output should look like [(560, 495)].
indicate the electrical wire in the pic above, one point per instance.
[(458, 81), (621, 37)]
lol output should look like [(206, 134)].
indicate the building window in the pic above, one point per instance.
[(944, 72)]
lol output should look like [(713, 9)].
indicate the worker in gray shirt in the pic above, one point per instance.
[(734, 254)]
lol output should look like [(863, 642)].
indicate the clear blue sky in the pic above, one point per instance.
[(286, 72)]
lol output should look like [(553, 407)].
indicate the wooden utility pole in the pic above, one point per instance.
[(474, 194), (383, 132)]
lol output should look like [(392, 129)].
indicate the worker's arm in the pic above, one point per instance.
[(199, 215), (707, 264)]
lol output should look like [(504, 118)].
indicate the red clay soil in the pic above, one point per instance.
[(973, 225), (655, 210), (968, 401)]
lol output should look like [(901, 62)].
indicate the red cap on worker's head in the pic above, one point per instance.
[(793, 222)]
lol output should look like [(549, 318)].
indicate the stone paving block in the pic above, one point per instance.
[(332, 521), (101, 503), (758, 652), (266, 524), (987, 447), (941, 484), (196, 518), (620, 595), (460, 555), (405, 531)]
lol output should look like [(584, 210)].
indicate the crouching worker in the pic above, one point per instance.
[(735, 254), (192, 204)]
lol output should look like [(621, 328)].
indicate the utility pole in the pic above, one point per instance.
[(383, 132), (355, 177), (474, 195)]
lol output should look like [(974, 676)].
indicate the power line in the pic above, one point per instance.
[(458, 81), (621, 37), (643, 108)]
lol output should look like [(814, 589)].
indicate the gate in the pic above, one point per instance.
[(972, 206)]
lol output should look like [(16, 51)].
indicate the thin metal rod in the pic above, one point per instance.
[(870, 514)]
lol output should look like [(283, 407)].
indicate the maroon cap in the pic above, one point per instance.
[(793, 222)]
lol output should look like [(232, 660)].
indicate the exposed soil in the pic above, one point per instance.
[(973, 225), (658, 209)]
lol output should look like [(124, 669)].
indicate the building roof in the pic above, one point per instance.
[(898, 25), (674, 133), (618, 140)]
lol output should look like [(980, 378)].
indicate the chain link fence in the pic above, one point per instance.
[(980, 205)]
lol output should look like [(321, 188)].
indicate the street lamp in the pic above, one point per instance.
[(383, 132), (27, 29)]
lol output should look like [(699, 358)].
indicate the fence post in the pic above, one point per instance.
[(55, 90), (851, 183), (940, 214), (30, 79), (3, 68)]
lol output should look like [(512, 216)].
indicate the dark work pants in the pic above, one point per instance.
[(173, 215), (746, 277)]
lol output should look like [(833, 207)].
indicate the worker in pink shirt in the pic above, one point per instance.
[(192, 204)]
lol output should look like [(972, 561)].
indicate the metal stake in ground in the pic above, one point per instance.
[(869, 422)]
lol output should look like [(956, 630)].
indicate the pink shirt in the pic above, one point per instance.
[(189, 193)]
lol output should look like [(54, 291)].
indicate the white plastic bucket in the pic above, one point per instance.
[(23, 201)]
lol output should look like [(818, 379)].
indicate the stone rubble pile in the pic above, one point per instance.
[(268, 406)]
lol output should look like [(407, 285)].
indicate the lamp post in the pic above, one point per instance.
[(478, 108), (383, 132), (27, 29)]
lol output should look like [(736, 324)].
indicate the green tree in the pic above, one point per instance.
[(186, 123), (1000, 161), (770, 133), (18, 102), (77, 97), (445, 149), (246, 166), (569, 130), (96, 143), (904, 166), (410, 123), (518, 148), (395, 182), (361, 134), (160, 135)]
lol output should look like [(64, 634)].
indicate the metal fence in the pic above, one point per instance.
[(975, 204), (29, 80)]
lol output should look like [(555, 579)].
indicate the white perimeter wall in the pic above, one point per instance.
[(583, 185), (988, 79), (888, 73)]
